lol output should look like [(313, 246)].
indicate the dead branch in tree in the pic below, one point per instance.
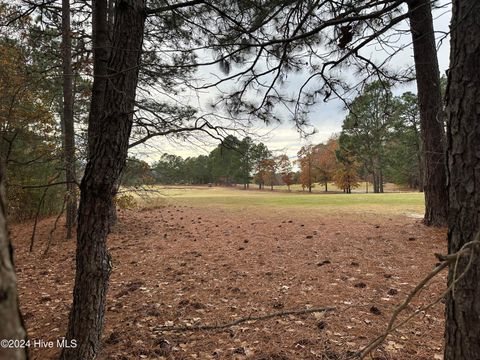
[(245, 319), (39, 207), (50, 236)]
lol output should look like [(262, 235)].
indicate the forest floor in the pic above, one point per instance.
[(188, 263)]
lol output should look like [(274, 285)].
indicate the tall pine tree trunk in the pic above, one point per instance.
[(462, 332), (11, 324), (109, 130), (431, 111), (67, 118)]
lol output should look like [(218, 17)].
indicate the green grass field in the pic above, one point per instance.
[(388, 203), (319, 188)]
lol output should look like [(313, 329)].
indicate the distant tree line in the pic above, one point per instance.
[(379, 142), (233, 161)]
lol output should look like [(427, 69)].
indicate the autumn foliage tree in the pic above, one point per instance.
[(260, 154), (307, 160), (346, 176), (269, 167), (285, 170), (29, 146), (326, 161)]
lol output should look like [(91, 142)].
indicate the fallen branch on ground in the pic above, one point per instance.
[(449, 259), (245, 319)]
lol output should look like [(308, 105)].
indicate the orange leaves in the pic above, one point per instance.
[(326, 156), (285, 169), (267, 173), (346, 175), (22, 103), (308, 164), (317, 163)]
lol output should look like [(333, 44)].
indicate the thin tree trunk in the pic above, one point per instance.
[(109, 130), (11, 323), (462, 326), (67, 118), (380, 181), (431, 111), (420, 157)]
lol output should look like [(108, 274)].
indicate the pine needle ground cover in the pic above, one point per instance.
[(213, 256)]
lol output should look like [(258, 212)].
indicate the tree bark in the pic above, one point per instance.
[(462, 326), (67, 118), (112, 217), (431, 111), (11, 327), (110, 124)]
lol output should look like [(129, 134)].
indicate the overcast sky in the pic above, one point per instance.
[(326, 118)]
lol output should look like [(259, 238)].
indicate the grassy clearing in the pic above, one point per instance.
[(388, 203), (319, 188)]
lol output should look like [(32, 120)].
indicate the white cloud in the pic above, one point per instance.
[(326, 118)]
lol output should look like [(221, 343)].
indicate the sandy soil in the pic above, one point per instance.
[(185, 266)]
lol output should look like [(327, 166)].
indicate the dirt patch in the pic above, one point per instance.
[(182, 266)]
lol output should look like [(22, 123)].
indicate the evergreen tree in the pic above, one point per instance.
[(368, 127)]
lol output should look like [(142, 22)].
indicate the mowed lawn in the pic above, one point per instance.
[(406, 203)]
